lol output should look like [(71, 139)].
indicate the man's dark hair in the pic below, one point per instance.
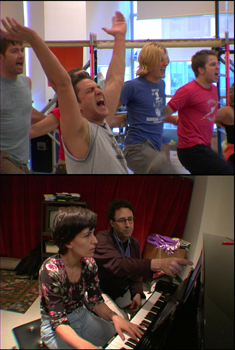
[(4, 43), (118, 204), (75, 78), (200, 59), (68, 222)]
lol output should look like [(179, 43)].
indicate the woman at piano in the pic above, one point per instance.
[(73, 312)]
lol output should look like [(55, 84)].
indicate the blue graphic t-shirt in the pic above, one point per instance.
[(145, 102)]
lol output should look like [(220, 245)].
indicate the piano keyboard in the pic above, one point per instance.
[(143, 318)]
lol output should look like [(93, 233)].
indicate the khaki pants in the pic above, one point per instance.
[(11, 166), (144, 158)]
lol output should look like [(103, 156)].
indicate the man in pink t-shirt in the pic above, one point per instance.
[(197, 104)]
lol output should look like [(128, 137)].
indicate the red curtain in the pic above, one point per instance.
[(161, 204)]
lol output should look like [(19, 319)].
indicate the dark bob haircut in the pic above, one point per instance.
[(68, 222)]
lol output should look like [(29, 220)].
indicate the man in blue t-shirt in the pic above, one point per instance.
[(145, 100)]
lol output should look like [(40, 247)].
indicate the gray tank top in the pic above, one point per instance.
[(15, 117), (104, 155)]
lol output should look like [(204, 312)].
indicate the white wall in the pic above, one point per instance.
[(12, 9), (211, 211), (99, 14), (65, 20), (35, 10)]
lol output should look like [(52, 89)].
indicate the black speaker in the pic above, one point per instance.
[(41, 154)]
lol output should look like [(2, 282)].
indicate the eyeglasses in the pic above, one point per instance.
[(123, 220)]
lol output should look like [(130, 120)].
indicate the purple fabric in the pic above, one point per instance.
[(167, 244)]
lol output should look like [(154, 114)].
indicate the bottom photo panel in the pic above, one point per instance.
[(117, 262)]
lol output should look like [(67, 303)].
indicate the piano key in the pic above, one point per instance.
[(131, 345), (150, 316), (132, 341), (121, 344), (139, 317), (156, 300), (145, 323)]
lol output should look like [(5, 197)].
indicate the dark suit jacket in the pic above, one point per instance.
[(117, 272)]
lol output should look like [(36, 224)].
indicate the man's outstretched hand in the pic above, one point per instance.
[(118, 25)]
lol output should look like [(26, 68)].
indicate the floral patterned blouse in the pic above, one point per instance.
[(60, 296)]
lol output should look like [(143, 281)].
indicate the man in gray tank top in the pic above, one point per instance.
[(16, 109), (90, 146)]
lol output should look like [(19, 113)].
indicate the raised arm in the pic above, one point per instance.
[(73, 126), (48, 124), (115, 75)]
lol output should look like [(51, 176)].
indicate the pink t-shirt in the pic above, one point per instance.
[(197, 107), (56, 113)]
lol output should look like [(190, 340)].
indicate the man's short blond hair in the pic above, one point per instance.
[(149, 57)]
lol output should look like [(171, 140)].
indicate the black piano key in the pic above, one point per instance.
[(158, 303), (144, 327), (155, 309), (153, 314), (131, 345), (132, 341), (149, 317), (145, 323)]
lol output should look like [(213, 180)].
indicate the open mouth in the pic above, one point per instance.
[(100, 102)]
